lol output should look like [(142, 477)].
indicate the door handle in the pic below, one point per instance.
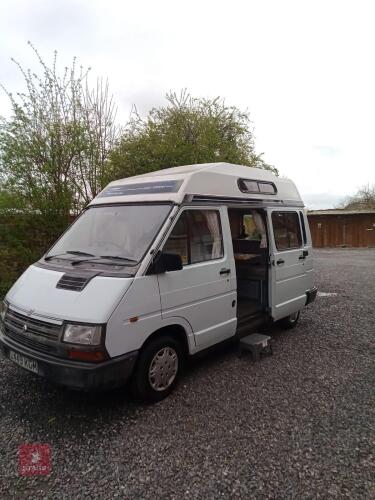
[(280, 261), (301, 257), (224, 271)]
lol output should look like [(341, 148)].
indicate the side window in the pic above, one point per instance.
[(303, 227), (206, 241), (177, 241), (286, 229), (196, 237), (249, 228)]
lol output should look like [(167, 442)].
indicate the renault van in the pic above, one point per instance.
[(157, 268)]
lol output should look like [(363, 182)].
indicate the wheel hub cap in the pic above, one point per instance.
[(163, 369)]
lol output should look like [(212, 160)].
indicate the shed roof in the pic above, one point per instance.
[(341, 211), (207, 179)]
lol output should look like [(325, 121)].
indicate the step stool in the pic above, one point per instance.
[(257, 344)]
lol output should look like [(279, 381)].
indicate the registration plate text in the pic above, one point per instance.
[(28, 364)]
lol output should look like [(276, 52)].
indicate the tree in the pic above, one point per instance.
[(363, 199), (54, 148), (53, 159), (185, 131)]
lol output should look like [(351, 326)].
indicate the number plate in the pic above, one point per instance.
[(28, 364)]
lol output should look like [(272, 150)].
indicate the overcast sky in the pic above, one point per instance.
[(305, 70)]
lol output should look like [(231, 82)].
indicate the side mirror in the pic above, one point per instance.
[(164, 262)]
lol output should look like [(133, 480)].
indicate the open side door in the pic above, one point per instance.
[(290, 257)]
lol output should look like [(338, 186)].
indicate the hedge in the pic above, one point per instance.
[(24, 238)]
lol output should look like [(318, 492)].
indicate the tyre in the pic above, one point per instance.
[(290, 321), (158, 368)]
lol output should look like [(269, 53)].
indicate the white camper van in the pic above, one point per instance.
[(159, 267)]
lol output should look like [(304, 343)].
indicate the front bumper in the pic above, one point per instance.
[(76, 374), (311, 295)]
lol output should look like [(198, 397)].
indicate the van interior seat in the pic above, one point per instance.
[(241, 245)]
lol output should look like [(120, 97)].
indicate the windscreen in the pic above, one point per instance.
[(120, 230)]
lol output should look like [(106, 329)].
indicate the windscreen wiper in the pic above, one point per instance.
[(71, 252), (117, 257), (104, 257)]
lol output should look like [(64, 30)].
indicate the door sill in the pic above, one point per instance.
[(250, 323)]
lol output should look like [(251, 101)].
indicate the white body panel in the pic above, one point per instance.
[(309, 262), (290, 274), (206, 179), (202, 296), (142, 301), (36, 291)]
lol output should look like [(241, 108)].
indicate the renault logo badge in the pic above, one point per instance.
[(25, 327)]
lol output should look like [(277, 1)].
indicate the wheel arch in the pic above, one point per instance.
[(175, 330)]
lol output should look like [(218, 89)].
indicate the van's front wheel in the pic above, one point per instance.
[(158, 368), (290, 321)]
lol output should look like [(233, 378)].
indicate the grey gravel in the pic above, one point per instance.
[(298, 424)]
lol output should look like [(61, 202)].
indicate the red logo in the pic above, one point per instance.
[(34, 459)]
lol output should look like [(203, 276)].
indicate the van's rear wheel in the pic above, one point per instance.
[(158, 368), (290, 321)]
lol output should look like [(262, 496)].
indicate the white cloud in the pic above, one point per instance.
[(303, 69)]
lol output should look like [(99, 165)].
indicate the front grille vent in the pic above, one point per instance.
[(31, 332), (74, 283), (29, 342), (20, 323)]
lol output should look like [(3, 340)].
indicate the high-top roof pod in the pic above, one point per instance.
[(207, 181)]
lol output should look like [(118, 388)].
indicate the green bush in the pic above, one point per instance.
[(24, 238)]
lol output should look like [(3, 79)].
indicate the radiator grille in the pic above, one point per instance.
[(20, 323), (36, 334), (28, 342)]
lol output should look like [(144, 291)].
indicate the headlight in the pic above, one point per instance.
[(3, 310), (83, 334)]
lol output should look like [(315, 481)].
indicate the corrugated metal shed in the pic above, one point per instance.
[(340, 227)]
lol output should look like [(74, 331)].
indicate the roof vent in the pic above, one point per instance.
[(74, 283)]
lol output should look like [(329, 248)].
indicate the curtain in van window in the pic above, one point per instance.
[(259, 223), (212, 219)]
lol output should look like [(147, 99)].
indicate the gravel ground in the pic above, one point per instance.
[(299, 424)]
